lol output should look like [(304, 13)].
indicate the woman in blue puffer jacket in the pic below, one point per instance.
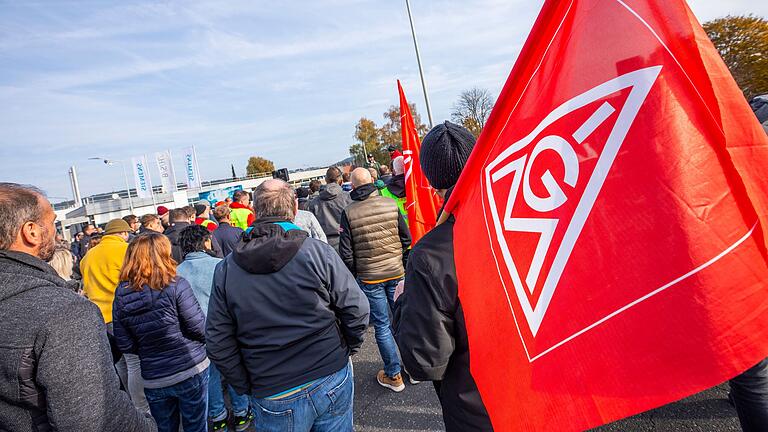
[(156, 316)]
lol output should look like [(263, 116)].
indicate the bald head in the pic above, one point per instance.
[(360, 177), (275, 198)]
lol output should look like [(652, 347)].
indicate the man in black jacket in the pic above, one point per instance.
[(429, 321), (284, 317), (179, 219), (227, 235), (56, 370)]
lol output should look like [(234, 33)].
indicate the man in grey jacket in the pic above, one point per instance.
[(329, 204), (284, 316), (56, 370)]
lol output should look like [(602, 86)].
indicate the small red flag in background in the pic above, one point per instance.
[(617, 201), (421, 199)]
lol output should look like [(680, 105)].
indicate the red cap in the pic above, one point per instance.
[(161, 210)]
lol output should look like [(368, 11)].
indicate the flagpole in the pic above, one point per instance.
[(418, 60)]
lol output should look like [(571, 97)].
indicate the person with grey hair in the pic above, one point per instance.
[(56, 361), (284, 317), (329, 204)]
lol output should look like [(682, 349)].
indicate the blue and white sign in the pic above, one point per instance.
[(191, 169), (141, 177)]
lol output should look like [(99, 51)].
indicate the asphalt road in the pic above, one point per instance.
[(416, 408)]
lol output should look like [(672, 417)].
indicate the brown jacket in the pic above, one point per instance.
[(374, 237)]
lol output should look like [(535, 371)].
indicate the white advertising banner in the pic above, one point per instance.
[(165, 167), (141, 177), (191, 169)]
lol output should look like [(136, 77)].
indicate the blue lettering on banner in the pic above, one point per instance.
[(190, 168), (142, 178)]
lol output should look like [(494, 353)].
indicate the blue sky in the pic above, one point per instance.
[(285, 80)]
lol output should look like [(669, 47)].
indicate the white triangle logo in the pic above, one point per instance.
[(516, 161)]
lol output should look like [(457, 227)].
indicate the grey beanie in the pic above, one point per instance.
[(444, 152)]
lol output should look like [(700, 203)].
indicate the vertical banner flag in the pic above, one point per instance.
[(165, 166), (610, 223), (191, 169), (421, 199), (141, 177)]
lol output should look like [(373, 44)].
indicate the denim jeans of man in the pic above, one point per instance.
[(381, 297), (750, 396), (185, 403), (324, 406), (216, 408)]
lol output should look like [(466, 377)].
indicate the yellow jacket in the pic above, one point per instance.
[(100, 268)]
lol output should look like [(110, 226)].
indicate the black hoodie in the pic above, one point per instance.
[(284, 311), (396, 185)]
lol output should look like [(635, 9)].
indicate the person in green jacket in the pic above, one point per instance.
[(395, 188)]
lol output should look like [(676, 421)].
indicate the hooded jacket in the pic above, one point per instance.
[(374, 236), (327, 207), (166, 328), (101, 272), (173, 231), (431, 333), (284, 311), (56, 370), (395, 189)]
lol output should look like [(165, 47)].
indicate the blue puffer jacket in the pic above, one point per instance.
[(165, 328)]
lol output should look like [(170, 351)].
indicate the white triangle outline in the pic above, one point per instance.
[(641, 82)]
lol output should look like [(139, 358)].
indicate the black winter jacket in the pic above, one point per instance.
[(56, 369), (165, 328), (431, 334), (173, 231), (284, 311)]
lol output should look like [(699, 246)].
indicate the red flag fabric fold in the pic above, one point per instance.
[(609, 236), (421, 199)]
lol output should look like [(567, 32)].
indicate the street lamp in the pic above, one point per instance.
[(111, 162)]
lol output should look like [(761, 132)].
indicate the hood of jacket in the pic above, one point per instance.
[(330, 192), (176, 228), (363, 192), (20, 268), (269, 246), (396, 185)]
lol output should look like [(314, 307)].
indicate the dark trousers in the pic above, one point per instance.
[(185, 402), (750, 396)]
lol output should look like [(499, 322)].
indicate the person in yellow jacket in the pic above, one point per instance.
[(101, 266)]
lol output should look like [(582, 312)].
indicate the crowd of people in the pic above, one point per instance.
[(249, 312)]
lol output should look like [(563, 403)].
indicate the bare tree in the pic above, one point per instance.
[(472, 109)]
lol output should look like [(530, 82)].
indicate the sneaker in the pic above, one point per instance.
[(220, 426), (244, 422), (395, 383)]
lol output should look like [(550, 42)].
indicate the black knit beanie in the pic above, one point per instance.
[(444, 151)]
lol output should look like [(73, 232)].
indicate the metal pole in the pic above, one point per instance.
[(151, 187), (418, 60), (127, 186)]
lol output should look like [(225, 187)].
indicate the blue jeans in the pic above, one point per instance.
[(216, 408), (381, 297), (187, 399), (325, 406), (750, 396)]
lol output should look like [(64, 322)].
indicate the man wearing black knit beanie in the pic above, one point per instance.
[(429, 321)]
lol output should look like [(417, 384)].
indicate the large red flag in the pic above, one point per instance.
[(421, 199), (617, 201)]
